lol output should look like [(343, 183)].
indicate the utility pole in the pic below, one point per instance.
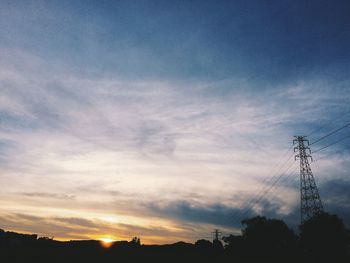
[(216, 235), (310, 201)]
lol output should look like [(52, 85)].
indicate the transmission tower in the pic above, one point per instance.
[(216, 234), (310, 201)]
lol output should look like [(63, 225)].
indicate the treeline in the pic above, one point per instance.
[(323, 238)]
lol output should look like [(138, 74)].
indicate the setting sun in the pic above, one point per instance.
[(106, 242)]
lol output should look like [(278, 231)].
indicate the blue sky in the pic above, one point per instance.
[(164, 119)]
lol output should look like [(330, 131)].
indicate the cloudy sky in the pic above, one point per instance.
[(166, 119)]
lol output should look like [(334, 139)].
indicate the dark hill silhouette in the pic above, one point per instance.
[(322, 239)]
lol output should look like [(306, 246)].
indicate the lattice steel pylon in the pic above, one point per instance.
[(216, 234), (310, 201)]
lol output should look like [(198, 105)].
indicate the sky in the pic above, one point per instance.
[(167, 119)]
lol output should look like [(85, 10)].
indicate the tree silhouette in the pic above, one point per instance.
[(235, 246), (268, 237), (203, 244), (136, 241), (324, 238)]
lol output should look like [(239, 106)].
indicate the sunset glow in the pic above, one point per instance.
[(106, 242)]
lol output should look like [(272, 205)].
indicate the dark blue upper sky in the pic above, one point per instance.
[(265, 40)]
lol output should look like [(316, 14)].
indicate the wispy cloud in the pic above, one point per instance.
[(145, 140), (48, 195)]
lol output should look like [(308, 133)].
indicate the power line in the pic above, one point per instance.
[(289, 176), (325, 125), (269, 180), (248, 209), (331, 133), (268, 188), (327, 155), (264, 189), (329, 145), (286, 181), (274, 171)]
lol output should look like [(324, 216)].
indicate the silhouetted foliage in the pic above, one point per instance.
[(217, 245), (324, 237), (203, 244), (136, 241), (234, 244), (268, 237), (45, 239)]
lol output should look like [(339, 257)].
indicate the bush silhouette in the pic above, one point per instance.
[(324, 237), (268, 237)]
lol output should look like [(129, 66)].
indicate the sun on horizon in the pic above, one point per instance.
[(106, 242)]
